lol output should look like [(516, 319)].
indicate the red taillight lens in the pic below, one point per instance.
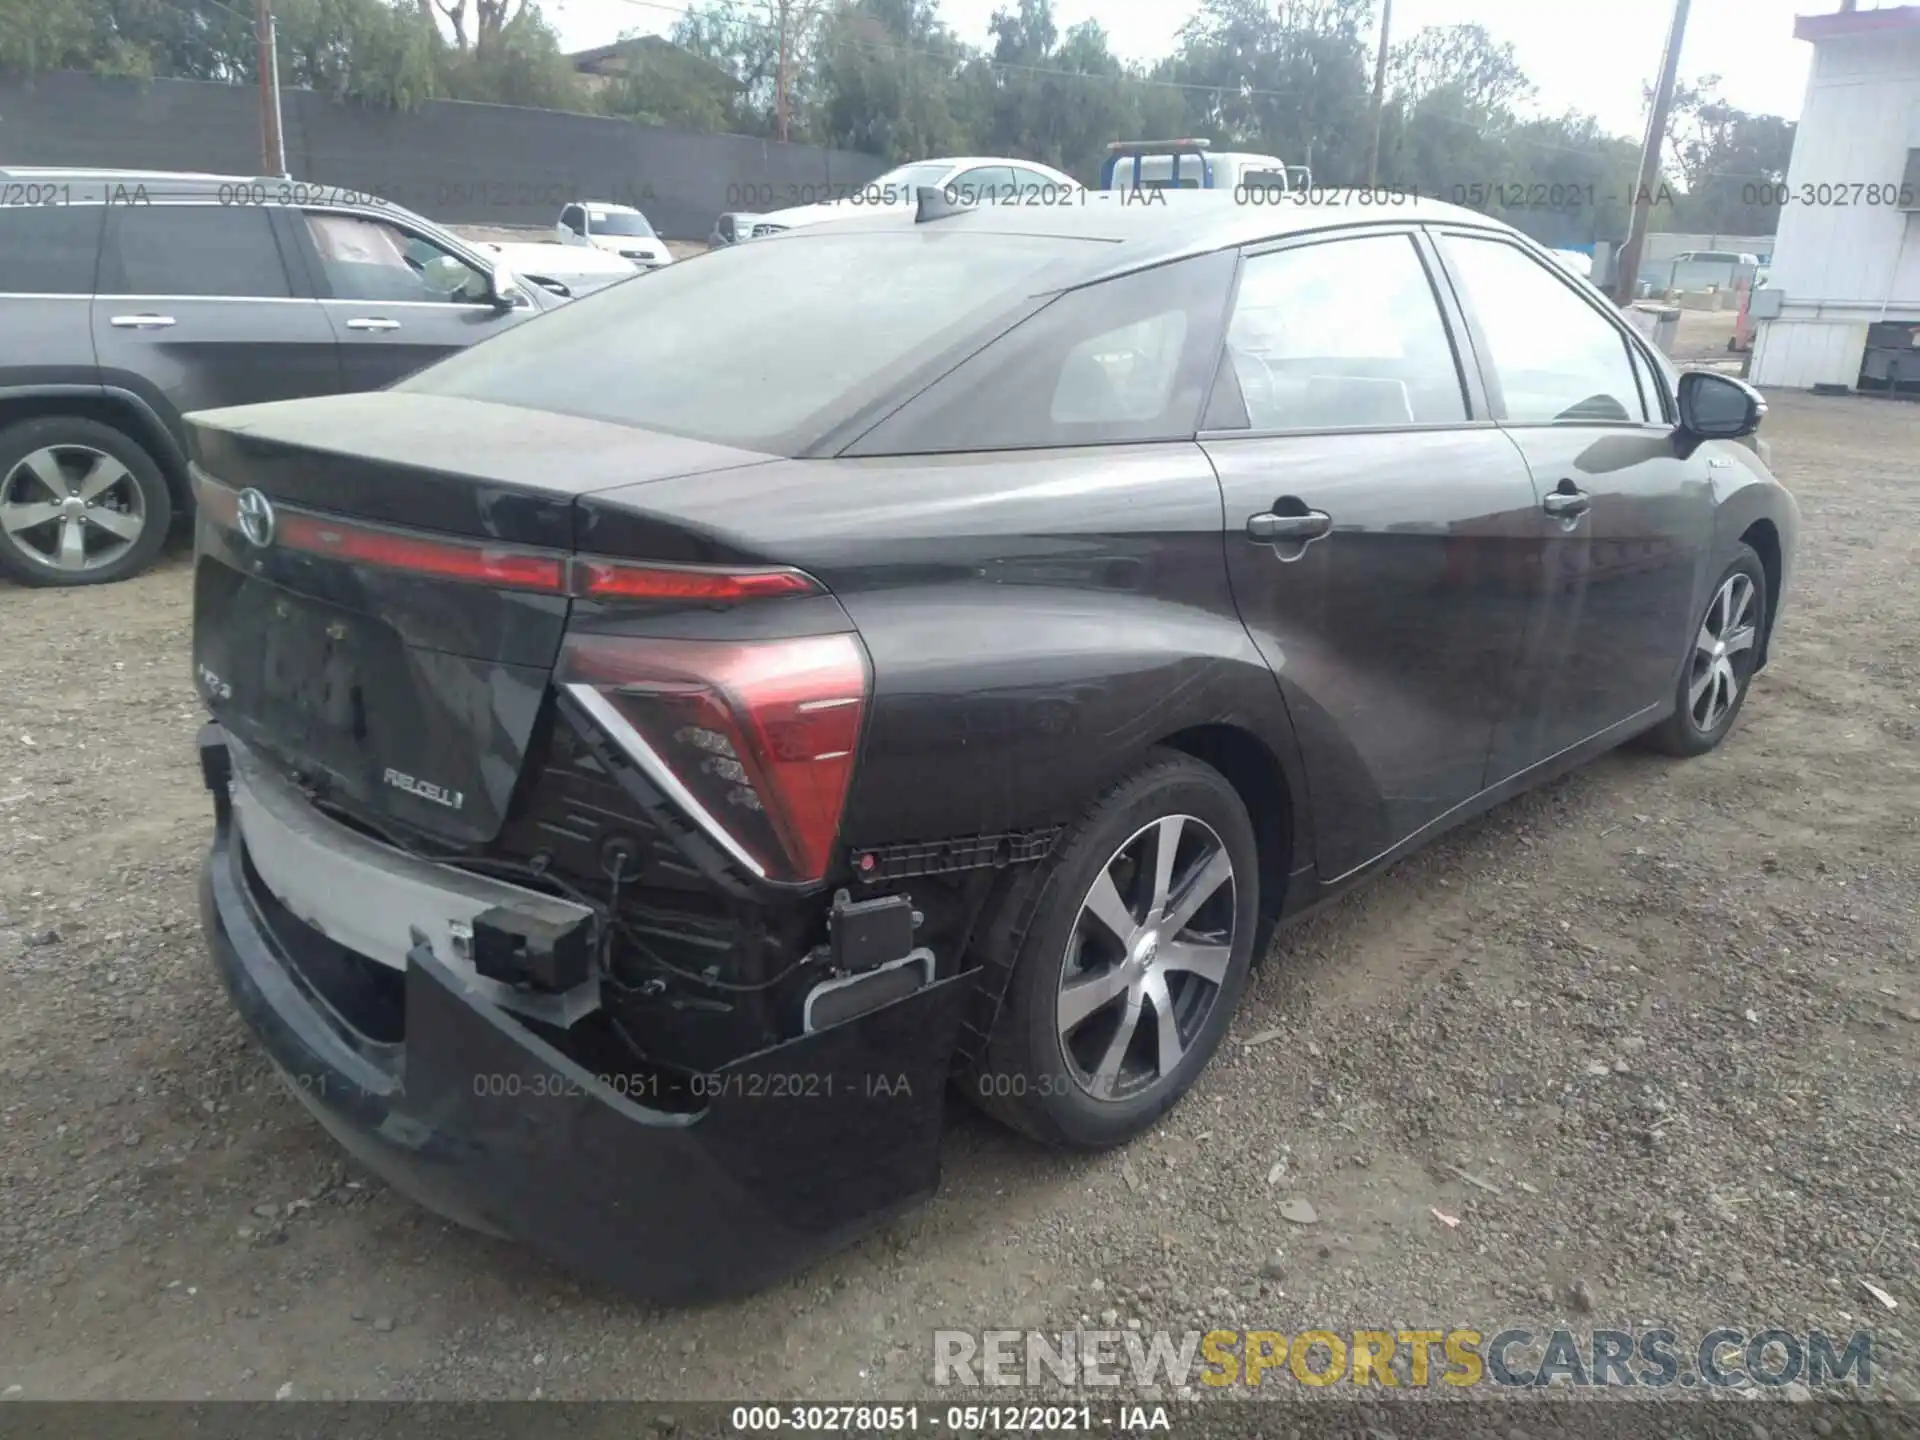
[(476, 564), (619, 580), (755, 740)]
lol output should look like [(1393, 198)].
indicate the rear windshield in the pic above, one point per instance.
[(763, 346)]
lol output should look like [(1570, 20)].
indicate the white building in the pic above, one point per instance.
[(1846, 261)]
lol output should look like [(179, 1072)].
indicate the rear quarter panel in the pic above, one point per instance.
[(1035, 620)]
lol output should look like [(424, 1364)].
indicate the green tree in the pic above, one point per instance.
[(362, 50), (1291, 77), (743, 44), (890, 82), (38, 35), (1724, 155)]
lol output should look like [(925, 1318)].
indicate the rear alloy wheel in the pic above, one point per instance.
[(80, 503), (1724, 649), (1147, 957), (1134, 944)]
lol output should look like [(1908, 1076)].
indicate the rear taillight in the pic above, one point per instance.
[(755, 740)]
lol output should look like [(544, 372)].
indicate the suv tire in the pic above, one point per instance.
[(1050, 1068), (116, 530)]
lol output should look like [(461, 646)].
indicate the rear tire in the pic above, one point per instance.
[(1722, 651), (81, 503), (1101, 1032)]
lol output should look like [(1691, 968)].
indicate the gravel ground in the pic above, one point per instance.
[(1663, 1014)]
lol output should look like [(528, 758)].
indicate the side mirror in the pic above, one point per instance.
[(1719, 407), (503, 288)]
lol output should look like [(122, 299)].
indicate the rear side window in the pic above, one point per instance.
[(186, 250), (49, 249), (1342, 335), (1558, 360), (1122, 361)]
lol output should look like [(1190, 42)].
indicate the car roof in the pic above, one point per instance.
[(952, 160), (1138, 233), (607, 205)]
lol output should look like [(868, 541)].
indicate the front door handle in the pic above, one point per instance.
[(1268, 527), (1567, 503), (372, 322), (141, 322)]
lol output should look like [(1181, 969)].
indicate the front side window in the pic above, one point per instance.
[(372, 260), (1123, 361), (571, 218), (1342, 335), (49, 249), (762, 346), (1558, 360), (192, 250)]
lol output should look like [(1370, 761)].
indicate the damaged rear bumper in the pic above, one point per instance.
[(797, 1150)]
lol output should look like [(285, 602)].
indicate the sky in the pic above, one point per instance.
[(1589, 55)]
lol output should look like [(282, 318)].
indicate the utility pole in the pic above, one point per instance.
[(1627, 279), (781, 9), (1379, 92), (273, 153)]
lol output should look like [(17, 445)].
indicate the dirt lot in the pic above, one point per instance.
[(1665, 1014)]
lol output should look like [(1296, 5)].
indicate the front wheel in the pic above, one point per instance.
[(1723, 652), (1132, 950)]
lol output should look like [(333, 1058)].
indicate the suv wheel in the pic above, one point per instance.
[(80, 503), (1132, 949)]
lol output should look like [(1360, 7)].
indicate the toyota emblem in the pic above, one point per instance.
[(256, 518)]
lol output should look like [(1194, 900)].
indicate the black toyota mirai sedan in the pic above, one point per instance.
[(661, 752)]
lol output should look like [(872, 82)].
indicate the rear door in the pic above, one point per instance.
[(1378, 530), (49, 252), (397, 297), (1626, 519), (197, 308)]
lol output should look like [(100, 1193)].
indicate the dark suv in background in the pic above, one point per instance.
[(128, 299)]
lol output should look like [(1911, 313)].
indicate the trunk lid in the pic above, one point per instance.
[(381, 626)]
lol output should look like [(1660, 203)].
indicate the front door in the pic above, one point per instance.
[(1626, 518), (398, 299), (1378, 530)]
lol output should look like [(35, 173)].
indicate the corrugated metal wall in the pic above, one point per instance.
[(1842, 260), (451, 161)]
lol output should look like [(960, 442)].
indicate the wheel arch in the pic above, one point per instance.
[(106, 405), (1763, 538), (1257, 774)]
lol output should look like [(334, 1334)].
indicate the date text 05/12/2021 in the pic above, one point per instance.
[(882, 1419)]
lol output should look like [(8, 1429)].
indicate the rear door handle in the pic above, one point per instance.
[(1567, 503), (141, 322), (1268, 527), (372, 322)]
